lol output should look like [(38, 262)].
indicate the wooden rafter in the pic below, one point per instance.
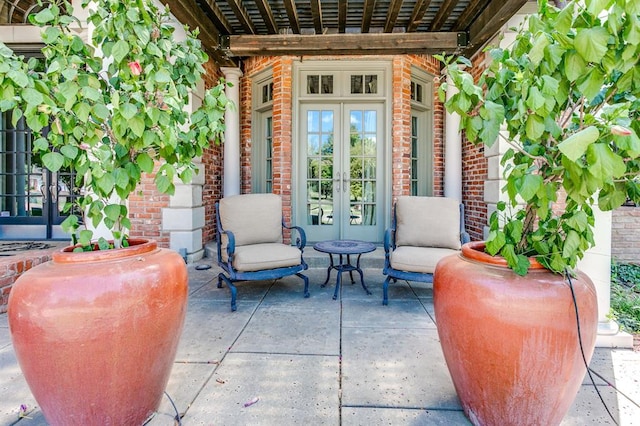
[(342, 15), (473, 8), (367, 14), (186, 11), (316, 12), (242, 15), (489, 22), (292, 13), (392, 15), (442, 15), (418, 14), (343, 44), (216, 15), (267, 15)]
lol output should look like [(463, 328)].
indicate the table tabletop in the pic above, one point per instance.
[(344, 247)]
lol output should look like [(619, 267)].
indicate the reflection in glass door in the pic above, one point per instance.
[(342, 153), (32, 199)]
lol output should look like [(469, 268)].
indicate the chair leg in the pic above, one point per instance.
[(220, 276), (234, 290), (385, 290), (306, 284)]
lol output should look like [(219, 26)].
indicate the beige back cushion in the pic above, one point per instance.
[(253, 218), (428, 222)]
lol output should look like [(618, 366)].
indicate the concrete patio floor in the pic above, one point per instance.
[(319, 361)]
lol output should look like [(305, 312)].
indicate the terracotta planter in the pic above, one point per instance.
[(511, 342), (96, 333)]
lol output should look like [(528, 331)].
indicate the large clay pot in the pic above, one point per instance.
[(511, 342), (96, 333)]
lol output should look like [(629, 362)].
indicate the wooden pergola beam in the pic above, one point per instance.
[(442, 15), (367, 14), (342, 15), (316, 12), (418, 15), (292, 14), (267, 15), (489, 22), (242, 15), (392, 15), (189, 14), (467, 15), (218, 18), (343, 44)]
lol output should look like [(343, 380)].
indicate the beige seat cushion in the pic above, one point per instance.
[(428, 222), (418, 259), (258, 257), (253, 218)]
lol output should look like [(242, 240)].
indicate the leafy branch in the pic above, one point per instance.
[(112, 114), (564, 96)]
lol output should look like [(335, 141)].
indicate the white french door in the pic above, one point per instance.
[(341, 174)]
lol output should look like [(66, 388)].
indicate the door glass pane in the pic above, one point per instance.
[(313, 144), (320, 167), (327, 84), (313, 84), (362, 173), (414, 155), (21, 179), (371, 84), (313, 121), (269, 154)]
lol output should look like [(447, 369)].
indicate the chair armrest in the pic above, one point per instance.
[(231, 245), (301, 241), (388, 241), (464, 237)]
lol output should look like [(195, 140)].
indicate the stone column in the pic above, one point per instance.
[(597, 264), (184, 218), (231, 178), (452, 152)]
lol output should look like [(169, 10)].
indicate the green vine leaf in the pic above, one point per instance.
[(53, 161), (575, 146), (591, 43)]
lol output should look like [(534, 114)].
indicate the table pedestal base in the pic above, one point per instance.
[(344, 267)]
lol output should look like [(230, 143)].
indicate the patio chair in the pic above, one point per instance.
[(250, 242), (423, 231)]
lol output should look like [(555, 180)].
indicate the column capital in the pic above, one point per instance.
[(231, 73)]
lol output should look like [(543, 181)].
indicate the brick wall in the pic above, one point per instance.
[(145, 211), (212, 162), (625, 234), (474, 175), (12, 267)]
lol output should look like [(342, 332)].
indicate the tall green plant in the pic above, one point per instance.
[(565, 98), (113, 108)]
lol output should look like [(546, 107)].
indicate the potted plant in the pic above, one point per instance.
[(564, 97), (96, 330)]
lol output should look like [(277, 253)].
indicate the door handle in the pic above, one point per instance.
[(345, 182), (43, 189), (337, 180), (54, 188)]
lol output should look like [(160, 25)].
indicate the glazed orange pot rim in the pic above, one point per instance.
[(136, 246), (475, 251)]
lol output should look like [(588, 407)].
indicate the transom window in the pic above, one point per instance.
[(342, 83)]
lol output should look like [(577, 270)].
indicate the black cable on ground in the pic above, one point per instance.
[(584, 358), (177, 417)]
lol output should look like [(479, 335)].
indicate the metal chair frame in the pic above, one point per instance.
[(232, 275), (396, 274)]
